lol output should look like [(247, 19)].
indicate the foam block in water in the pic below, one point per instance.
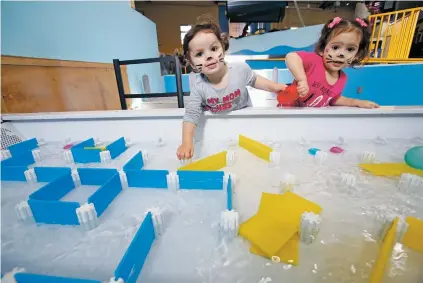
[(257, 148), (413, 238), (390, 169), (288, 254), (210, 163), (385, 254)]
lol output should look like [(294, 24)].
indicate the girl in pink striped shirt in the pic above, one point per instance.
[(318, 75)]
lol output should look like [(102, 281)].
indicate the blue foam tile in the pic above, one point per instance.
[(200, 175), (104, 196), (49, 174), (81, 155), (187, 184), (87, 143), (147, 178), (116, 148), (132, 262), (54, 212), (23, 159), (202, 180), (13, 173), (22, 147), (38, 278), (136, 163), (229, 194), (55, 190), (95, 176)]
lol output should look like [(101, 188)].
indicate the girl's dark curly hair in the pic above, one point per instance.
[(329, 32), (205, 23)]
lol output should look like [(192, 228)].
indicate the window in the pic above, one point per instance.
[(184, 30)]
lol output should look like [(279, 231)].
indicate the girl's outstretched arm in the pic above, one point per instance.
[(351, 102), (267, 85)]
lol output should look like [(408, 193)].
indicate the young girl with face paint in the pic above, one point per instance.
[(318, 75), (221, 87)]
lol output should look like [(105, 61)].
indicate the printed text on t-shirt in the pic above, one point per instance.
[(215, 104)]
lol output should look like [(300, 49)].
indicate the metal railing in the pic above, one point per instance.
[(122, 96), (392, 34)]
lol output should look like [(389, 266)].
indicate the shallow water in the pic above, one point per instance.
[(192, 249)]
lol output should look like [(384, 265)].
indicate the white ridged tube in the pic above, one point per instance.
[(309, 227), (172, 181)]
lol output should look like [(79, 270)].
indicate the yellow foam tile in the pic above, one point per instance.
[(413, 238), (385, 254), (266, 233), (213, 162), (257, 148), (286, 207), (288, 254), (390, 169)]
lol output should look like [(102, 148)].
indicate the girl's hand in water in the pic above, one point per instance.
[(302, 88), (185, 151), (367, 104)]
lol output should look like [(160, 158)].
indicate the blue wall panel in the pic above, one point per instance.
[(54, 212), (37, 278), (147, 178), (49, 174), (95, 176), (132, 262), (21, 147), (136, 163), (104, 196), (116, 148), (54, 190), (13, 173)]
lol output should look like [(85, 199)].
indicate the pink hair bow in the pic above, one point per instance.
[(361, 22), (334, 22)]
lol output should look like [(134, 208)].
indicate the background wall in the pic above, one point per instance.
[(83, 31), (170, 16), (403, 88), (276, 43)]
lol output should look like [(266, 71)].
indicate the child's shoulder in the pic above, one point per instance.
[(308, 55), (238, 65)]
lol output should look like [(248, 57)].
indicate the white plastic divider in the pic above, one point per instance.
[(172, 181), (368, 157), (411, 183), (123, 179), (5, 154), (75, 177), (309, 227), (67, 155), (23, 211), (36, 153), (230, 157), (87, 216), (30, 176), (105, 156)]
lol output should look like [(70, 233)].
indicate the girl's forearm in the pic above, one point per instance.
[(188, 130), (345, 101), (295, 65), (268, 85)]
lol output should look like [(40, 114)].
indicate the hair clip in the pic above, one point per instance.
[(361, 22), (334, 22)]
